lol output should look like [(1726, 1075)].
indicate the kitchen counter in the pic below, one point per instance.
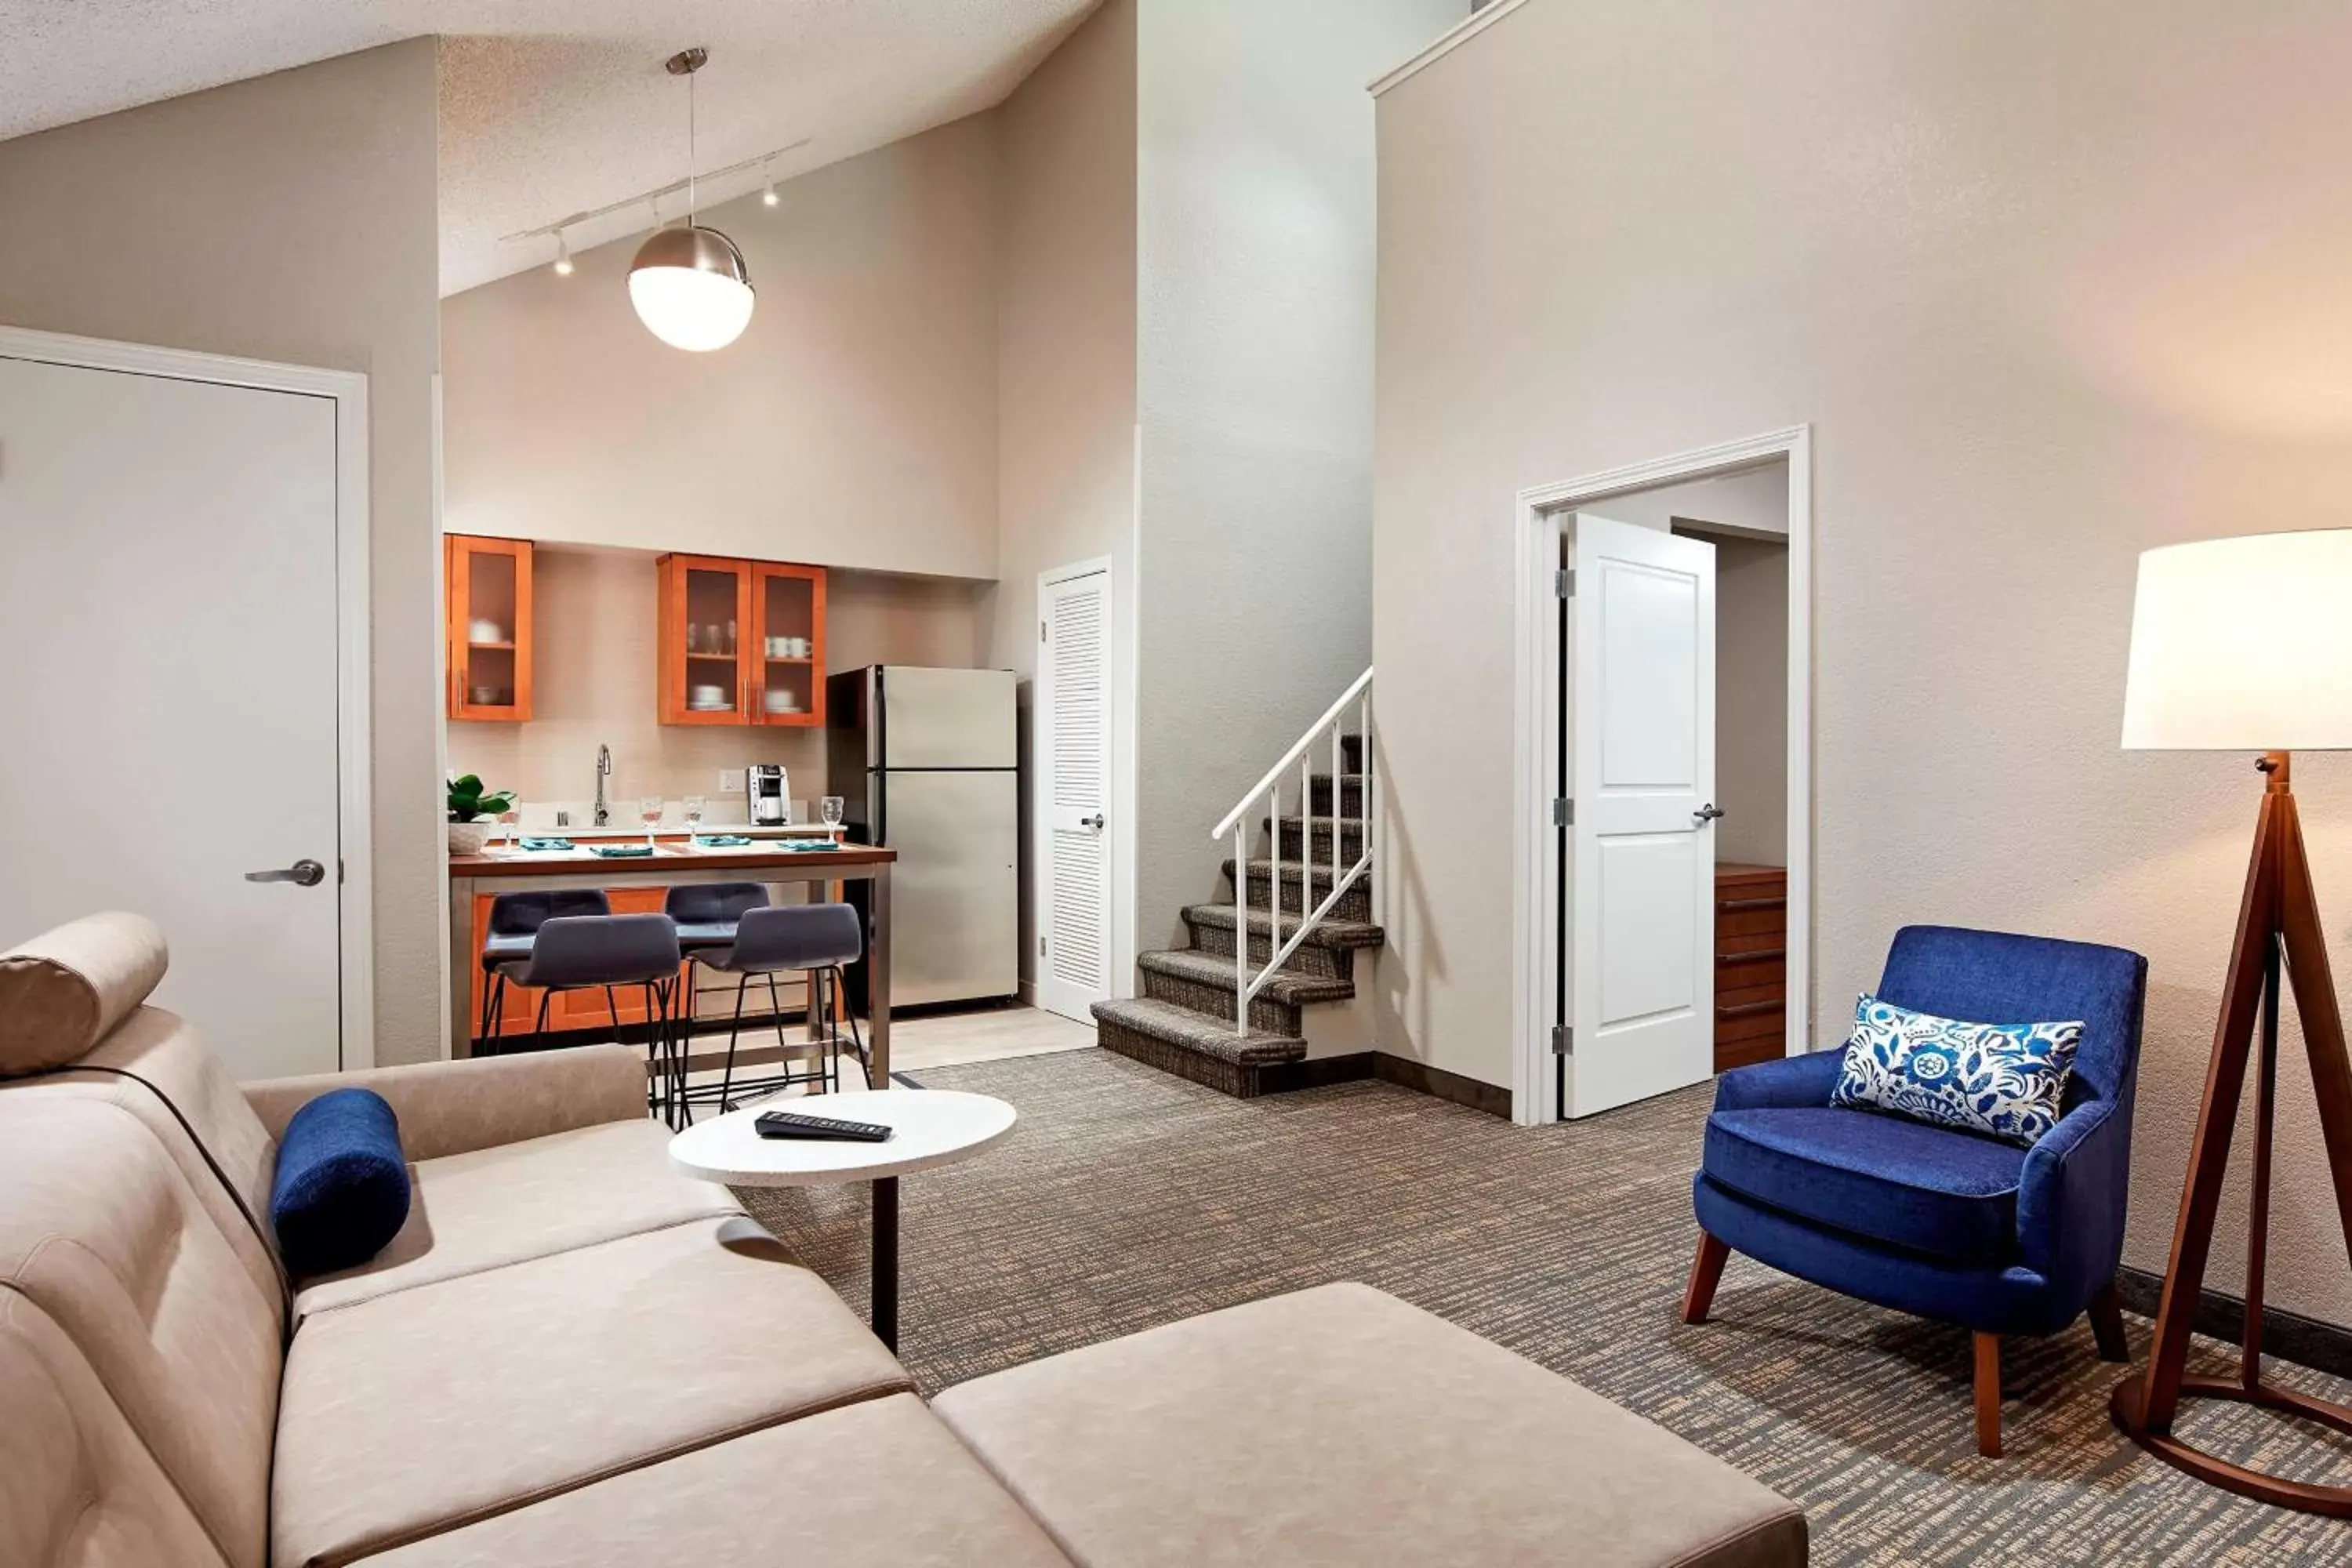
[(483, 875)]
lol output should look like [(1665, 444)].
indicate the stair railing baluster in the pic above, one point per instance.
[(1241, 933)]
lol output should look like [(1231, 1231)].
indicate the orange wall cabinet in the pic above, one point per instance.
[(742, 642), (489, 626)]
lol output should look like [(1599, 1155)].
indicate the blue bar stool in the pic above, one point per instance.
[(586, 953), (814, 940), (515, 918)]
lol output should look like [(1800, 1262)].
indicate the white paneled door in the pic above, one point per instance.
[(1640, 932), (1072, 792), (168, 624)]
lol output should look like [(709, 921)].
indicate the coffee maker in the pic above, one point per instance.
[(771, 794)]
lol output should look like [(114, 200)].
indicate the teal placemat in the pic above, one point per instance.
[(626, 851), (546, 843), (721, 841), (809, 844)]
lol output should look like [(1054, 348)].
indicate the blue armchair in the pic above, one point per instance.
[(1953, 1227)]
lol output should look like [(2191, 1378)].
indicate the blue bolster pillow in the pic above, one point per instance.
[(341, 1193)]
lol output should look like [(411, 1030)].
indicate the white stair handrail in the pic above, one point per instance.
[(1267, 794)]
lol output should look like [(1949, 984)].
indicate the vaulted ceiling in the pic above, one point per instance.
[(555, 107)]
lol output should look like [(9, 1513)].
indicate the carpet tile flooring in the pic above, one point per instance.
[(1127, 1198)]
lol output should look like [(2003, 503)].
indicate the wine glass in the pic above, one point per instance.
[(506, 820), (649, 810), (694, 807), (832, 808)]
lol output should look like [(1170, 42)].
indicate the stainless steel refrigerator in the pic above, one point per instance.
[(929, 763)]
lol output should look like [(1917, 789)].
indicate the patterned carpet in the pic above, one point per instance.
[(1127, 1198)]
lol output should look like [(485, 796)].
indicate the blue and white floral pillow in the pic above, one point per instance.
[(2006, 1079)]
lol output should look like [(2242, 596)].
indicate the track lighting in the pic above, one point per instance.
[(767, 187), (563, 256)]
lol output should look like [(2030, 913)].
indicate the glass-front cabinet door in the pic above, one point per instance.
[(788, 616), (488, 593), (709, 641)]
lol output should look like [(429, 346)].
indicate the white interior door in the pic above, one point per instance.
[(1639, 936), (168, 624), (1073, 794)]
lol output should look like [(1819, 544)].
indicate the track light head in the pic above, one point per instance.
[(562, 257)]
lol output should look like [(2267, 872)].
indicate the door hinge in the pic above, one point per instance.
[(1563, 1040), (1563, 813), (1043, 636), (1563, 582), (1041, 947)]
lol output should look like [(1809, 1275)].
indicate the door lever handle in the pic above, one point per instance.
[(302, 874), (1707, 813), (1095, 822)]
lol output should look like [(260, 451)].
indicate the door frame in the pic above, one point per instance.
[(1535, 873), (348, 390), (1118, 841)]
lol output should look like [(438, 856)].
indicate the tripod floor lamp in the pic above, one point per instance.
[(2246, 645)]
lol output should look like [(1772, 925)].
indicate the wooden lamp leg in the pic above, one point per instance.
[(2279, 917), (1988, 1351), (1705, 1269)]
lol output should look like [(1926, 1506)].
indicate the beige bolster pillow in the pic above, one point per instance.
[(62, 992)]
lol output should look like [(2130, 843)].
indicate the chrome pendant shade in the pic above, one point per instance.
[(689, 286), (691, 289)]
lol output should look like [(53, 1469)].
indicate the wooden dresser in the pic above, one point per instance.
[(1751, 926)]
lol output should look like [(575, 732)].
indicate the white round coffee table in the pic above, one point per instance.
[(929, 1127)]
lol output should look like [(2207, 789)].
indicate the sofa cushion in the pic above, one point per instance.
[(78, 1488), (63, 990), (101, 1232), (428, 1408), (341, 1189), (153, 1066), (879, 1484), (519, 1201), (1341, 1426), (1951, 1194)]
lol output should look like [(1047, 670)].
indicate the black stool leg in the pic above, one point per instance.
[(539, 1025), (857, 1040), (727, 1079)]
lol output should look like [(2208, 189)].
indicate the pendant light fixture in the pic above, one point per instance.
[(689, 286)]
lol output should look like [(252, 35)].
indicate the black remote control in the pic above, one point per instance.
[(785, 1124)]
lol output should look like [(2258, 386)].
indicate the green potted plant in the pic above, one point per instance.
[(471, 813)]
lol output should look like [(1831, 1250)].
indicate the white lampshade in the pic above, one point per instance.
[(691, 289), (2242, 645)]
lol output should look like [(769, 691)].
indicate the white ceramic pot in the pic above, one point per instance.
[(469, 837)]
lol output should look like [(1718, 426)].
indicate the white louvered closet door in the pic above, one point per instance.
[(1074, 789)]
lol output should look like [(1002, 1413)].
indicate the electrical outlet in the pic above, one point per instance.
[(730, 781)]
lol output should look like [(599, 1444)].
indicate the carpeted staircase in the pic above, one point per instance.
[(1183, 1021)]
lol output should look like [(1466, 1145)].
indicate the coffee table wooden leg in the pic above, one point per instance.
[(885, 1289)]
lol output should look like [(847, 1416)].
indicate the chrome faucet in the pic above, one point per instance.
[(604, 772)]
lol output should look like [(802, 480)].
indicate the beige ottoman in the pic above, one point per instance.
[(1341, 1426)]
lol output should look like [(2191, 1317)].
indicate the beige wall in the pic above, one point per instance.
[(1751, 699), (291, 217), (1255, 391), (2052, 284), (593, 668), (853, 424), (1065, 374)]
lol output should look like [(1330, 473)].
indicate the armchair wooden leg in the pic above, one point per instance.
[(1988, 1347), (2108, 1324), (1705, 1269)]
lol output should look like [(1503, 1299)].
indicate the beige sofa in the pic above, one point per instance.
[(575, 1356)]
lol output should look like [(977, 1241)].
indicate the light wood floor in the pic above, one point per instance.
[(983, 1035), (949, 1039)]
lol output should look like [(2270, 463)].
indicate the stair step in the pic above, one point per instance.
[(1265, 877), (1350, 791), (1182, 1032), (1317, 830), (1332, 936), (1285, 985)]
